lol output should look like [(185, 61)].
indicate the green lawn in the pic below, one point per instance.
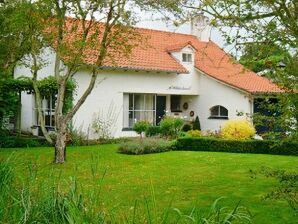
[(183, 178)]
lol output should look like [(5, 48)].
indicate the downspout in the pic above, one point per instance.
[(19, 119), (251, 107)]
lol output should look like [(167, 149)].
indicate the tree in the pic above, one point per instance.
[(263, 20), (103, 27), (197, 124), (105, 39), (14, 35), (262, 57), (258, 22)]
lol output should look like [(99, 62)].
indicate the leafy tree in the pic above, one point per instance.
[(105, 27), (260, 57), (259, 22), (15, 34)]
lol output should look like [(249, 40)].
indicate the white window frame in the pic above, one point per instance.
[(188, 57), (127, 112)]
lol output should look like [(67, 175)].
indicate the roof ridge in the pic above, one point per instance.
[(164, 31), (141, 28)]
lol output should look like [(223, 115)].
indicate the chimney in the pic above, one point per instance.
[(200, 27)]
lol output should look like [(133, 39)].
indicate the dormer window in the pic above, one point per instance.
[(186, 57)]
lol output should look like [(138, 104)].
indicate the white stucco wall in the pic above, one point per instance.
[(212, 93), (112, 85), (199, 91)]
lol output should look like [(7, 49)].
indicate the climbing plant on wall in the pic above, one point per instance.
[(10, 95)]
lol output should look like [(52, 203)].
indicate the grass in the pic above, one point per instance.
[(179, 178)]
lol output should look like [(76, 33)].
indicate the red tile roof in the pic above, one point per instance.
[(209, 58)]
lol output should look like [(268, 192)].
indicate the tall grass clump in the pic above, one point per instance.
[(24, 201)]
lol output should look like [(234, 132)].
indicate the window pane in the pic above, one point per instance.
[(223, 112), (186, 57), (130, 101), (47, 118), (53, 121), (145, 116), (149, 102), (139, 102), (175, 103), (189, 59), (130, 119), (214, 111)]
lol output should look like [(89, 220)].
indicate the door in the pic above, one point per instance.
[(160, 108)]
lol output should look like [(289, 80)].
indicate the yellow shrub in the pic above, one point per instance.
[(237, 129), (194, 133)]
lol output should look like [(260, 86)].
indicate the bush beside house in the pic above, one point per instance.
[(196, 124), (237, 129)]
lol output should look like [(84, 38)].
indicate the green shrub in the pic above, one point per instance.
[(170, 126), (236, 146), (182, 134), (196, 124), (140, 126), (20, 142), (237, 129), (186, 127), (152, 130), (194, 133), (145, 146)]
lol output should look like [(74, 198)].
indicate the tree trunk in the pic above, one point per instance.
[(60, 146), (38, 102)]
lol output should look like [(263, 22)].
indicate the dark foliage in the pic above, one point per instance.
[(196, 124), (187, 127), (152, 130), (19, 142), (236, 146)]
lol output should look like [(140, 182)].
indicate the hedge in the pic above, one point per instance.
[(20, 142), (236, 146)]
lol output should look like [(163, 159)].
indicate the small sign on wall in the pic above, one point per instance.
[(180, 87)]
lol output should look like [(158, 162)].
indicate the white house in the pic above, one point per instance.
[(179, 74)]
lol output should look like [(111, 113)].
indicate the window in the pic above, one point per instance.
[(175, 103), (138, 107), (48, 111), (186, 57), (218, 112)]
